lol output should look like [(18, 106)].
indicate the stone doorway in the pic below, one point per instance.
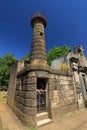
[(41, 94)]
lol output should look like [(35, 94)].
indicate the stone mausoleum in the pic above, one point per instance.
[(38, 94)]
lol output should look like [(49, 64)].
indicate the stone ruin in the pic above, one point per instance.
[(38, 93)]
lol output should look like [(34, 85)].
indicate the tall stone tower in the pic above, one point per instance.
[(36, 92), (38, 49)]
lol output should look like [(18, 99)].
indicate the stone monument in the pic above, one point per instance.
[(39, 94)]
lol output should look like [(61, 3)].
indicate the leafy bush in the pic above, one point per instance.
[(57, 52)]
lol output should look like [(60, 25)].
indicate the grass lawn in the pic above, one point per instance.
[(2, 96)]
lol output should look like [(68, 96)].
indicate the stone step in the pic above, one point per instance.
[(43, 122), (42, 116)]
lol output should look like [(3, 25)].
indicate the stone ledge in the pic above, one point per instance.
[(66, 73), (44, 122)]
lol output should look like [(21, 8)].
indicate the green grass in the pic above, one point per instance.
[(2, 99), (33, 129)]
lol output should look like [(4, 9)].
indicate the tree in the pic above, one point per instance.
[(26, 60), (57, 52), (6, 63)]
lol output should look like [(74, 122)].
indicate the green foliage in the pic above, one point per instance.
[(26, 59), (6, 63), (33, 129), (57, 52)]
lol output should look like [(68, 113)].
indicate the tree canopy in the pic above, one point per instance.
[(57, 52), (6, 63)]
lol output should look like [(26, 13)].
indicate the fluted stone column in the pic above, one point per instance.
[(38, 48)]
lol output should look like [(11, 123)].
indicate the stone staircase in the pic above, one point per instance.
[(43, 119)]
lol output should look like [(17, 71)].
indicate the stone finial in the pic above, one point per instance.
[(38, 17), (79, 50)]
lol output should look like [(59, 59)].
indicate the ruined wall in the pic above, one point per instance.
[(62, 93), (19, 65)]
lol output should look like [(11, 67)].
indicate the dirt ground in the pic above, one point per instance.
[(76, 120)]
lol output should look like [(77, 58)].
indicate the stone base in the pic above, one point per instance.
[(26, 120), (43, 67)]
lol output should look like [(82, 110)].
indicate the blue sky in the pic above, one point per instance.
[(66, 24)]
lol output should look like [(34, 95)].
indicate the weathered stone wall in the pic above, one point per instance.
[(62, 93), (83, 84), (79, 93), (22, 96), (25, 98), (19, 65)]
